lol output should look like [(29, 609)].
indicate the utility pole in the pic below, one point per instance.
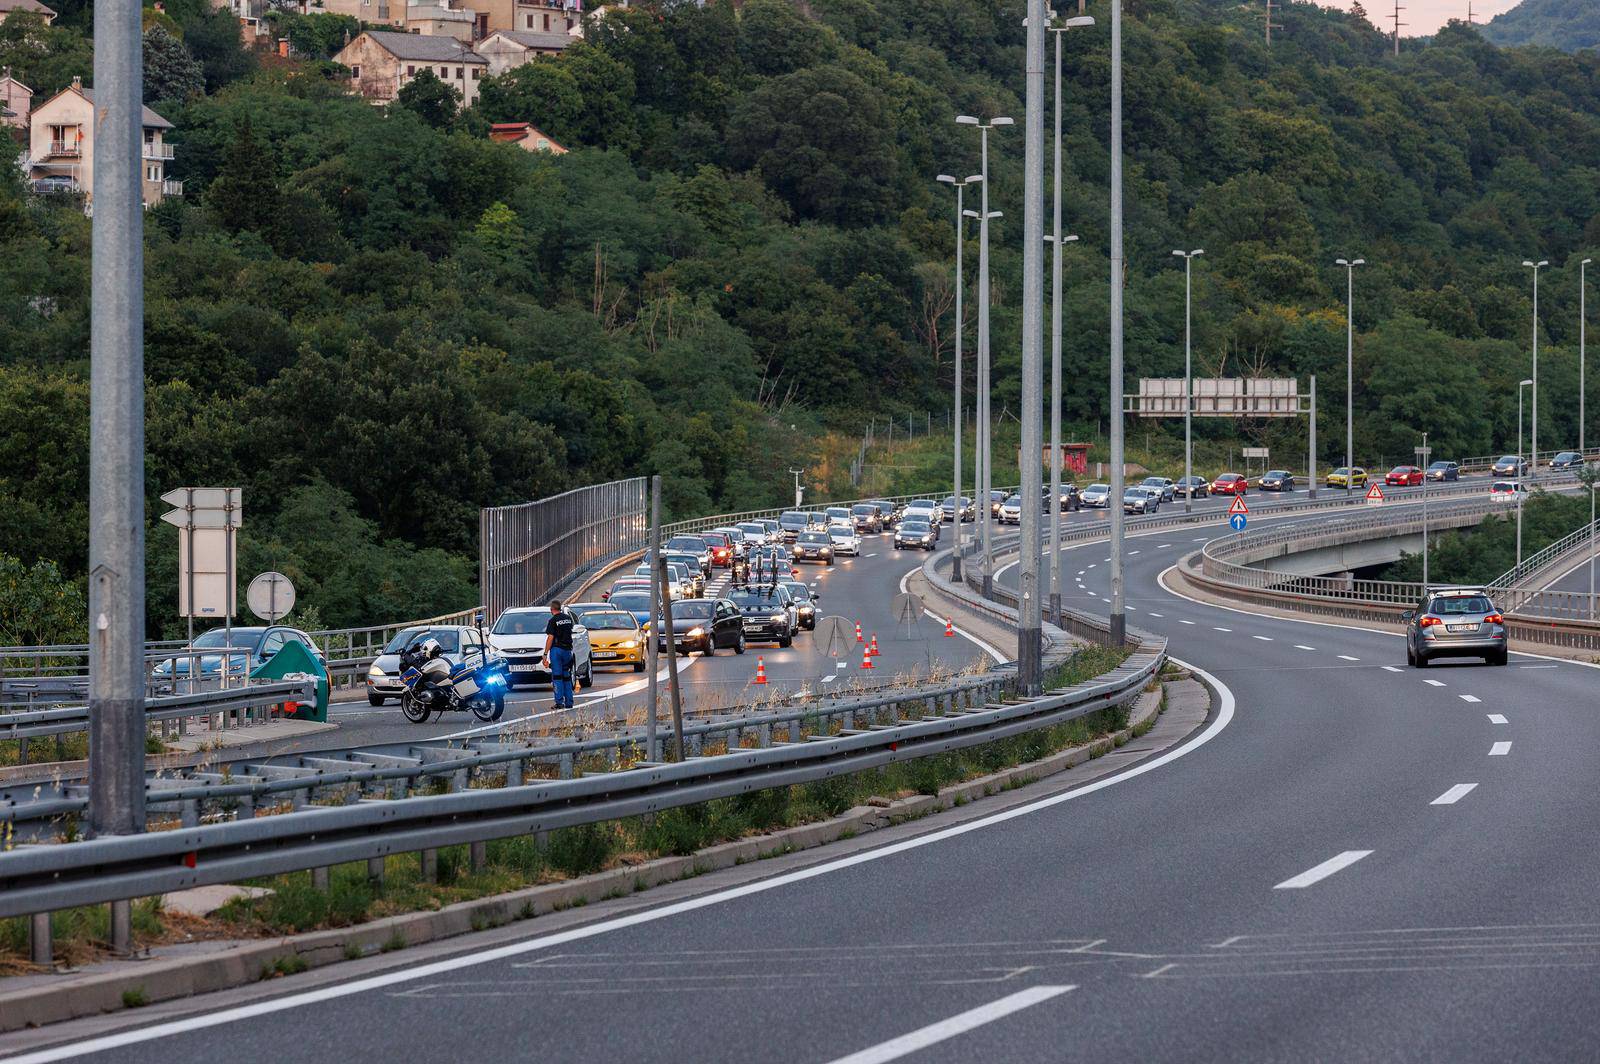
[(1271, 7), (1029, 621), (1350, 368), (116, 447), (1520, 385), (1311, 443), (1118, 618), (657, 590), (1583, 339), (1397, 25)]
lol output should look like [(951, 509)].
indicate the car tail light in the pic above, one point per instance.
[(1494, 618), (1429, 622)]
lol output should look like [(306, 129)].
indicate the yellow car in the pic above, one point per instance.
[(1348, 478), (615, 637)]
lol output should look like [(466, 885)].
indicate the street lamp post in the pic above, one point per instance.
[(1533, 424), (1422, 462), (960, 187), (1520, 385), (1350, 369), (1118, 620), (1583, 337), (983, 453), (1057, 240), (1188, 258)]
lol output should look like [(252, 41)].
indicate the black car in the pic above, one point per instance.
[(915, 534), (704, 625), (1277, 480), (768, 613), (1443, 471), (867, 517), (793, 522), (813, 547), (1567, 460), (997, 499), (1509, 466), (805, 602)]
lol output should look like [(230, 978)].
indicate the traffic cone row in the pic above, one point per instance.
[(872, 648), (866, 658), (858, 632), (761, 671), (949, 628)]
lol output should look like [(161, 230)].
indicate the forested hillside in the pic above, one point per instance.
[(376, 320), (1565, 24)]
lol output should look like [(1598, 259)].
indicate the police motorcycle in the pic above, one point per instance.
[(434, 685)]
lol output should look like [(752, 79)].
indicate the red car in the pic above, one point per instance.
[(722, 552), (1230, 484), (1403, 476)]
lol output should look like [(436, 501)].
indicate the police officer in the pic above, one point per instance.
[(558, 653)]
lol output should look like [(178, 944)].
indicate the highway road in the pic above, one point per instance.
[(1352, 860)]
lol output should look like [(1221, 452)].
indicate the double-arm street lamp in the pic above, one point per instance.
[(1350, 369), (983, 449), (1188, 258), (961, 233)]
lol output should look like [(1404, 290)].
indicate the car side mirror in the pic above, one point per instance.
[(1408, 615)]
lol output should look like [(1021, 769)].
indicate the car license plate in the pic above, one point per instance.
[(522, 668), (1462, 627), (603, 655)]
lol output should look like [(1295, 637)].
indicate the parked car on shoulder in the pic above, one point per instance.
[(244, 648)]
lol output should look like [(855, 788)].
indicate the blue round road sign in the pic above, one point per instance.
[(1237, 521)]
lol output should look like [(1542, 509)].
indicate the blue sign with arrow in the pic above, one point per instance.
[(1237, 521)]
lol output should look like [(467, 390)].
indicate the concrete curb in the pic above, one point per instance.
[(75, 996)]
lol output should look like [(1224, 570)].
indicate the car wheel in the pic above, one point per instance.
[(1421, 661), (1501, 658), (586, 681), (638, 666), (710, 649), (375, 700), (786, 640), (738, 648), (1411, 657)]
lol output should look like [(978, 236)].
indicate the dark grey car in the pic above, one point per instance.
[(1455, 622)]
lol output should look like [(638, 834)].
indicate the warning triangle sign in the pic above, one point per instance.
[(1375, 493), (1238, 506)]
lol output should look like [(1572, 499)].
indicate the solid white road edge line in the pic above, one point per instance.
[(72, 1051), (961, 1023), (1323, 870), (968, 636), (1454, 794)]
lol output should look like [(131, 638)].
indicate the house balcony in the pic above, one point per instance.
[(157, 151), (65, 149), (172, 188)]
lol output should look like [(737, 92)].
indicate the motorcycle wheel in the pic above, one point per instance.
[(488, 709), (414, 711)]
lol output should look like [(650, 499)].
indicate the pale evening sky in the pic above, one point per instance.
[(1425, 16)]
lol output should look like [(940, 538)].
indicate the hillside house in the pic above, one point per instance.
[(31, 7), (16, 101), (524, 136), (61, 146), (382, 61), (507, 49)]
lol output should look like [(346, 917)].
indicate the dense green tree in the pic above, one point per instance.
[(244, 196), (44, 58), (170, 72), (429, 99), (38, 606)]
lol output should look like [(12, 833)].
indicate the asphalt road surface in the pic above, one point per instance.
[(1352, 860)]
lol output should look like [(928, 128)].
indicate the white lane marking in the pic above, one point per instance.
[(874, 554), (1199, 539), (1323, 870), (826, 679), (1162, 546), (1500, 749), (72, 1051), (1434, 683), (1302, 646), (1347, 657), (1497, 718), (1263, 638), (1133, 609), (1093, 564), (1082, 571), (1470, 698), (1536, 666), (1182, 621), (934, 1033), (1393, 668), (1131, 553), (1454, 794), (1153, 614), (1215, 628), (1103, 599), (1105, 559)]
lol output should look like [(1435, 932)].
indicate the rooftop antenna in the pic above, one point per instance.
[(1397, 25)]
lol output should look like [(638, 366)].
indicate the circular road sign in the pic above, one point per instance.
[(270, 596)]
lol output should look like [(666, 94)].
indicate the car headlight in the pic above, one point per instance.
[(779, 618), (696, 632), (375, 673), (628, 644)]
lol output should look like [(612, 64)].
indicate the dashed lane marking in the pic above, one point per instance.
[(1182, 621), (1393, 668), (1157, 614), (1322, 871), (1500, 749), (1347, 657), (944, 1030), (1470, 698), (1302, 646), (1215, 628), (1454, 794), (1263, 638), (1497, 718), (1434, 683)]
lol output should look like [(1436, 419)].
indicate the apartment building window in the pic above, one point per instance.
[(444, 72), (355, 73), (152, 173), (547, 30), (530, 21), (411, 72), (461, 75), (477, 75)]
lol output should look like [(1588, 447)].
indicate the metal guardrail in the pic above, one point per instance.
[(31, 724), (40, 879)]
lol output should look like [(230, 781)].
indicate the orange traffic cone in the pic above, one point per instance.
[(866, 658), (872, 648), (858, 633), (949, 627), (761, 671)]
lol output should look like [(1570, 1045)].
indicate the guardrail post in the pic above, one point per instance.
[(375, 871), (319, 878), (41, 948), (429, 860), (190, 813), (246, 808), (478, 855), (565, 766), (22, 750), (122, 928), (514, 773), (764, 735)]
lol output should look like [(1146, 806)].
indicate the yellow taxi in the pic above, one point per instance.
[(615, 638), (1345, 477)]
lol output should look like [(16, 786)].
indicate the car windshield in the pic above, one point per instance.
[(754, 528), (914, 526), (798, 591), (608, 620), (1440, 465), (838, 511), (1015, 500), (633, 601), (1097, 488), (1507, 459), (813, 537), (841, 532), (755, 597), (218, 637), (1155, 482), (793, 517), (688, 562), (449, 640), (1276, 473), (1504, 485), (522, 622), (863, 509), (692, 544), (1457, 605), (1401, 469), (698, 610)]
